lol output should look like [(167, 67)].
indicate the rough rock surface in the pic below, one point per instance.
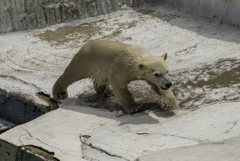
[(29, 14)]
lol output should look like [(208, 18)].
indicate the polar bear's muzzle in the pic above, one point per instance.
[(167, 86)]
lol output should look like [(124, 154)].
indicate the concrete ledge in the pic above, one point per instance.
[(10, 152), (224, 150), (21, 102), (74, 132)]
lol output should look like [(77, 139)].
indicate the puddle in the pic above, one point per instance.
[(208, 84), (5, 125)]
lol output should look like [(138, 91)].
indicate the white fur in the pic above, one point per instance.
[(109, 62)]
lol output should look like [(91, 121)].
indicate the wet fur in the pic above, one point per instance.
[(109, 62)]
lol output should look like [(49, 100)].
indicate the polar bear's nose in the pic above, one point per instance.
[(168, 84)]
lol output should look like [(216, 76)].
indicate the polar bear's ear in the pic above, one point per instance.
[(164, 56)]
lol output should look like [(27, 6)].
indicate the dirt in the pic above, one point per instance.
[(86, 32), (40, 151), (211, 83), (161, 16)]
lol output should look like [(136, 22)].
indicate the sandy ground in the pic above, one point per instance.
[(204, 61)]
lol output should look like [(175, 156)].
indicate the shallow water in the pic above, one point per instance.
[(5, 125)]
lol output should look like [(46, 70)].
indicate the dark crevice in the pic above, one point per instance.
[(45, 97), (98, 149), (36, 151)]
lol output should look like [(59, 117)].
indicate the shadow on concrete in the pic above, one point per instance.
[(102, 108)]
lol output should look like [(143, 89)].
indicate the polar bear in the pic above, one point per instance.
[(117, 64)]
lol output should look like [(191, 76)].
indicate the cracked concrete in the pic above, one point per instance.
[(234, 124), (94, 155), (175, 131), (203, 57), (118, 138)]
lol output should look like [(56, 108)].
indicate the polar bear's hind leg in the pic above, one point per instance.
[(102, 90)]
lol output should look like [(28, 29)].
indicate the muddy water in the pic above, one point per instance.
[(207, 84), (73, 36), (5, 125)]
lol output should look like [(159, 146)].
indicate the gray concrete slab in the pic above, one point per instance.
[(223, 150)]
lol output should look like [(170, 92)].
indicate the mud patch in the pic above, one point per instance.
[(208, 84), (72, 36), (92, 100), (142, 93), (67, 34)]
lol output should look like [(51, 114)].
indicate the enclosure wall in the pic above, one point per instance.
[(227, 11)]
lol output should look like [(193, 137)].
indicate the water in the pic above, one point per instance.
[(5, 125)]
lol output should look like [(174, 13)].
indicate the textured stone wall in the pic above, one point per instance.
[(227, 11), (29, 14)]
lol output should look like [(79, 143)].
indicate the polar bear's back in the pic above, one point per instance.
[(94, 60), (102, 50)]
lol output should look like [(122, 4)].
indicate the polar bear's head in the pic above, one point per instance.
[(155, 70)]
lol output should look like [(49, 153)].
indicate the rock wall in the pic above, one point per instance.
[(227, 11), (29, 14)]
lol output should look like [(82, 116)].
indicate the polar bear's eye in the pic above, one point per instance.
[(157, 75), (141, 66)]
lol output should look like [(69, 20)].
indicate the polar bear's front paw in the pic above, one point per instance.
[(169, 103), (132, 108), (60, 96)]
